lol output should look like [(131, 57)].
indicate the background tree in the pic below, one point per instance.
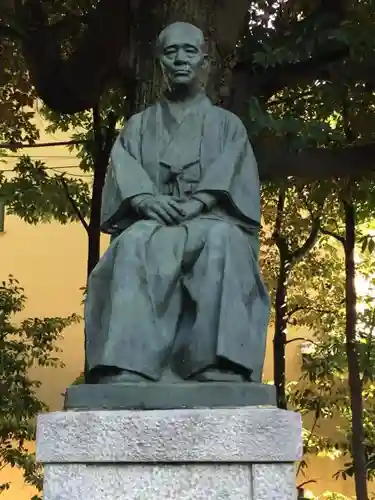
[(295, 232), (32, 192), (76, 51), (22, 346), (323, 392)]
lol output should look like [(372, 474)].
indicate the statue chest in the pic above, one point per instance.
[(172, 157)]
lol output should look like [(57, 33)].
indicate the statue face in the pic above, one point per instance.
[(182, 54)]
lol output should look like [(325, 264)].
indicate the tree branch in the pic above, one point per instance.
[(337, 237), (266, 82), (109, 134), (309, 243), (70, 25), (8, 31), (21, 145), (277, 161), (277, 237), (250, 78), (75, 84), (295, 310), (309, 309), (304, 483), (73, 203), (302, 339), (315, 423), (276, 79)]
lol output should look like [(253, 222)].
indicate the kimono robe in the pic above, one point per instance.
[(179, 297)]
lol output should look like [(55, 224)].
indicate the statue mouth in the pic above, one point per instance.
[(182, 72)]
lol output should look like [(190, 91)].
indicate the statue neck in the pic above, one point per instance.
[(183, 94), (179, 108)]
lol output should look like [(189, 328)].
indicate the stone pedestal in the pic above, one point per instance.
[(201, 454)]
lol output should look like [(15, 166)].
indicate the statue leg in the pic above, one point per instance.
[(138, 288), (227, 338)]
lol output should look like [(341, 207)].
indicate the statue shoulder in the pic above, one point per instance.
[(227, 116), (134, 122), (228, 119), (132, 127)]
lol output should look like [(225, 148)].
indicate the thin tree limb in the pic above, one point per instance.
[(308, 481), (73, 203), (8, 31), (302, 339), (277, 237), (309, 243), (337, 237), (310, 309), (316, 418), (21, 145)]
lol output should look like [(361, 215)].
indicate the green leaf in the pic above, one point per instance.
[(23, 345)]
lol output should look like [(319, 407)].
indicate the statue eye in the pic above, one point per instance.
[(169, 51), (191, 50)]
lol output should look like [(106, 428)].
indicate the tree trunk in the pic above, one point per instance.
[(355, 382), (102, 147), (94, 224), (288, 259), (100, 167), (280, 338)]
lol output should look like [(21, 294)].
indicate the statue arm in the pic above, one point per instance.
[(207, 199), (137, 201), (232, 178), (127, 183)]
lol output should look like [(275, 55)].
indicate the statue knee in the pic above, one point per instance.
[(132, 240), (142, 227), (222, 233)]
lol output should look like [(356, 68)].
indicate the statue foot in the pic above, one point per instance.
[(123, 377), (215, 375)]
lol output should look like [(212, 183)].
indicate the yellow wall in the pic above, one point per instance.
[(49, 260)]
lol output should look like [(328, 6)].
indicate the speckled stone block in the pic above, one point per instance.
[(274, 481), (237, 454), (202, 435), (142, 482)]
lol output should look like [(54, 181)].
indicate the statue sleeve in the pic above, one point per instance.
[(125, 179), (232, 177)]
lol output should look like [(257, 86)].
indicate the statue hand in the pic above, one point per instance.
[(162, 208), (191, 208)]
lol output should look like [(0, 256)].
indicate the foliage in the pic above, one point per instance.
[(334, 496), (322, 392), (329, 113), (79, 380), (17, 96), (23, 345), (36, 196)]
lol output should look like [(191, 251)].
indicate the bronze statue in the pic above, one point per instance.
[(178, 294)]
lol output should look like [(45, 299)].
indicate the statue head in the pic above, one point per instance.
[(182, 54)]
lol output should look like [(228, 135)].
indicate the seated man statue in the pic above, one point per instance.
[(178, 295)]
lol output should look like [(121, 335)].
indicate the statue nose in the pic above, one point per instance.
[(180, 57)]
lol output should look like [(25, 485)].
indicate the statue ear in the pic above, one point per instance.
[(164, 76), (206, 62)]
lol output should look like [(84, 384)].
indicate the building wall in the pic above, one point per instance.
[(49, 260)]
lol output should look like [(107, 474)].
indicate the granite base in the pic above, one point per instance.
[(202, 454)]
